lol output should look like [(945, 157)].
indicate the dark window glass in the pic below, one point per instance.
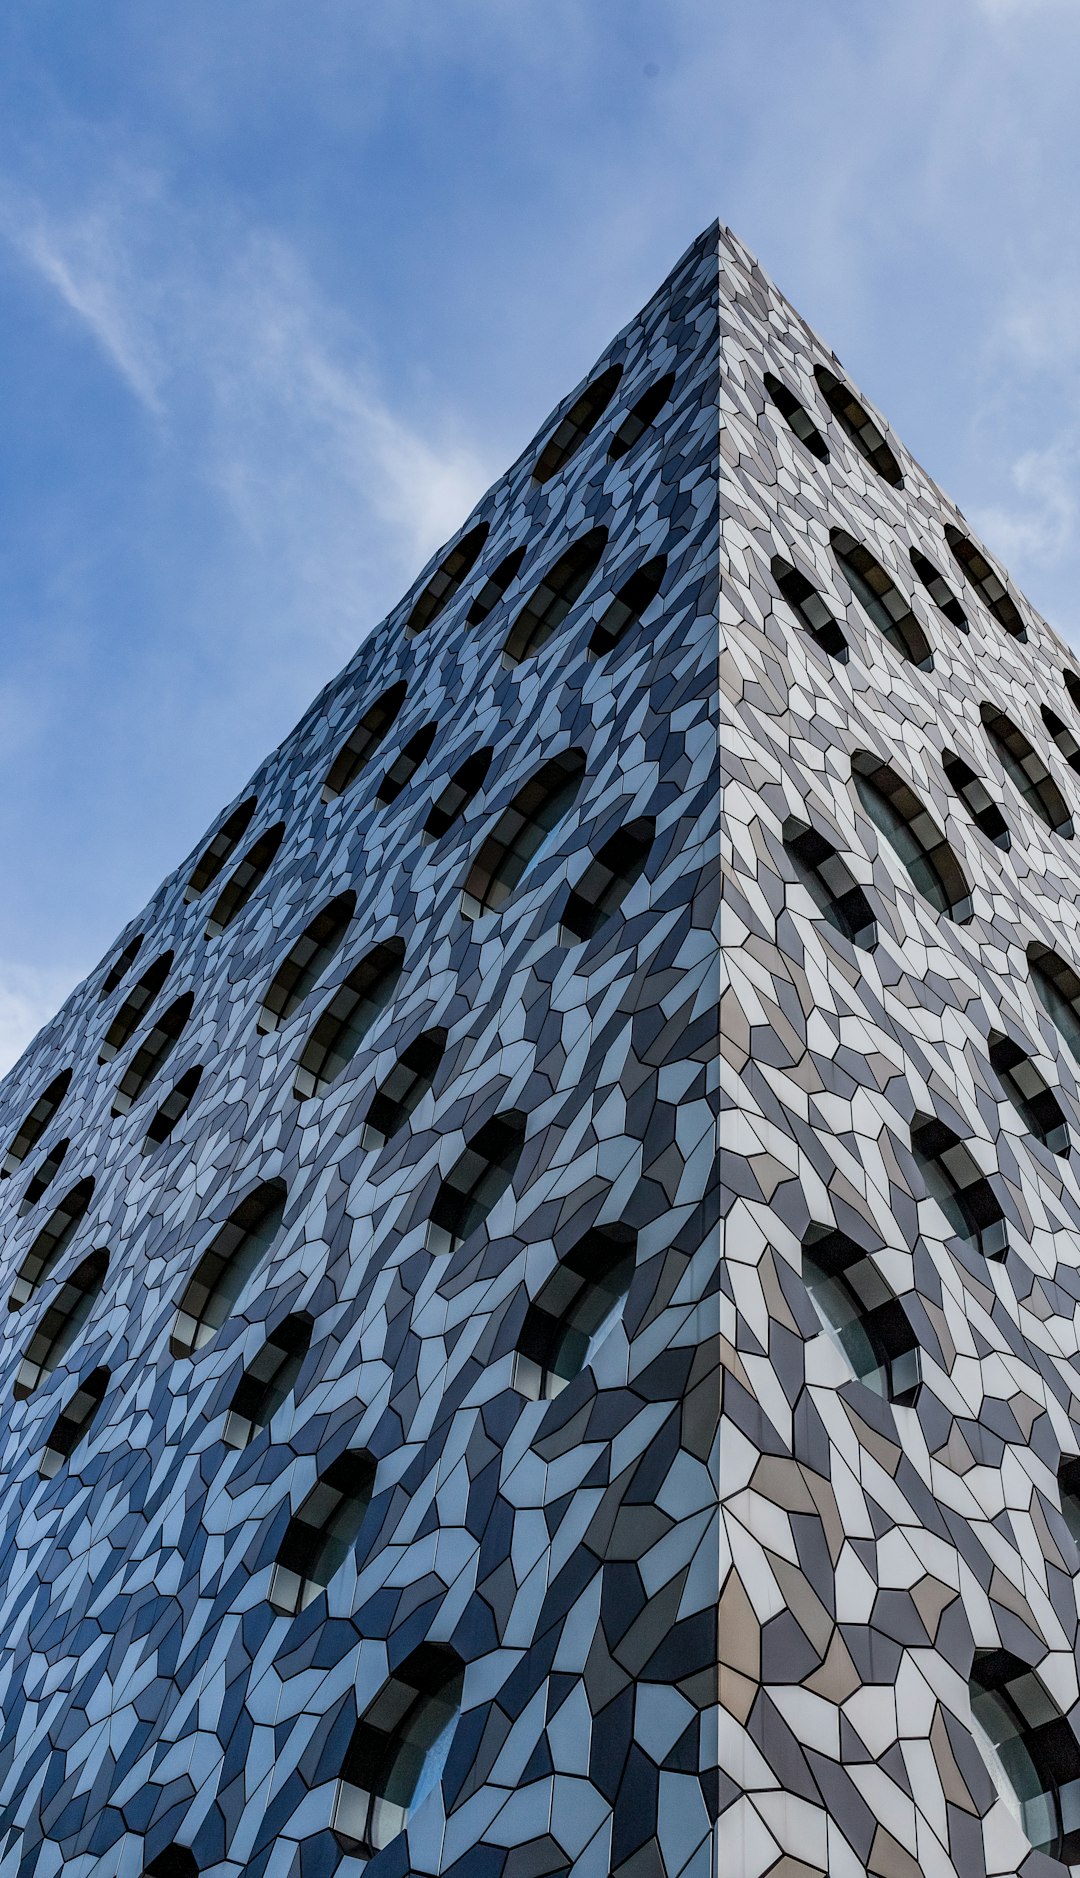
[(1030, 1749), (479, 1177), (1069, 1491), (810, 609), (550, 602), (268, 1380), (522, 833), (977, 799), (319, 1538), (881, 600), (406, 763), (642, 414), (405, 1087), (939, 590), (242, 1244), (581, 1301), (44, 1175), (495, 586), (862, 1315), (988, 585), (177, 1861), (217, 851), (571, 431), (350, 1014), (856, 420), (954, 1179), (120, 966), (1063, 737), (895, 809), (608, 879), (1026, 770), (447, 578), (830, 884), (1058, 988), (797, 416), (35, 1123), (307, 961), (238, 890), (171, 1110), (72, 1425), (51, 1242), (153, 1053), (134, 1008), (629, 603), (1071, 681), (361, 745), (61, 1323), (466, 781), (1034, 1102), (398, 1749)]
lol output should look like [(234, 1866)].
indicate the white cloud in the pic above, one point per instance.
[(28, 998), (1042, 526)]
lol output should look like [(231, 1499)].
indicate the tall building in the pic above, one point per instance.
[(358, 1472)]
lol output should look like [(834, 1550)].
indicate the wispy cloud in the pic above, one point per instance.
[(28, 999)]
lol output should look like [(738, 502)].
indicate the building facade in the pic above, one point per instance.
[(358, 1456)]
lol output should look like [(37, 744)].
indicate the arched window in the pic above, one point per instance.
[(628, 606), (881, 600), (581, 1301), (174, 1106), (895, 809), (571, 431), (478, 1179), (1026, 770), (242, 1244), (550, 602), (43, 1176), (319, 1538), (641, 415), (522, 833), (72, 1425), (405, 1088), (1031, 1751), (120, 966), (797, 417), (52, 1242), (268, 1380), (956, 1182), (859, 425), (307, 961), (1057, 986), (61, 1323), (989, 586), (350, 1014), (398, 1749), (939, 590), (219, 848), (33, 1127), (362, 743), (153, 1053), (406, 763), (862, 1315), (135, 1006), (1071, 681), (176, 1861), (495, 586), (1069, 1492), (809, 609), (1035, 1103), (240, 886), (447, 578), (466, 781), (830, 883), (608, 879), (1063, 737), (977, 799)]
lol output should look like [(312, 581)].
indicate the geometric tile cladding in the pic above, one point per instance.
[(361, 1361)]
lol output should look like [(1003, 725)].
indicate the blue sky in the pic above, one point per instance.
[(284, 287)]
